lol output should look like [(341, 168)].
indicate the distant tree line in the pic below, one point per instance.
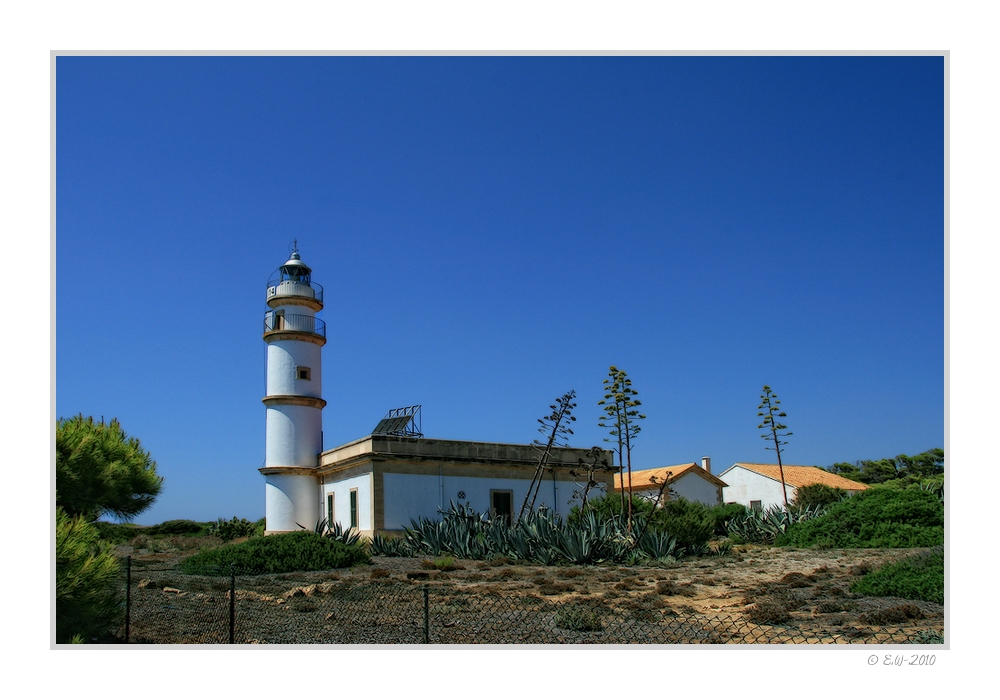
[(879, 471)]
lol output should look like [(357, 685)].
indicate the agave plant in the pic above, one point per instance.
[(335, 531), (765, 526), (657, 544), (382, 546)]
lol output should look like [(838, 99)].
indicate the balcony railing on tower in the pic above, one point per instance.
[(277, 287), (275, 321)]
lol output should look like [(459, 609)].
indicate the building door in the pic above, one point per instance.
[(502, 504)]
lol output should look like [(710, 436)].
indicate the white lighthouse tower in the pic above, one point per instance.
[(294, 433)]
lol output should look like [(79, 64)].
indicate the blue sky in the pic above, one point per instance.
[(492, 232)]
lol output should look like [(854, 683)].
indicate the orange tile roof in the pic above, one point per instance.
[(643, 479), (803, 476)]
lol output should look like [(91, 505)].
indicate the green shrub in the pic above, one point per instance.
[(878, 517), (609, 507), (87, 598), (691, 523), (920, 577), (817, 494), (175, 527), (237, 527), (115, 533), (276, 554), (723, 514)]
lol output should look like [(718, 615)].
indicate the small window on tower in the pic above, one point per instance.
[(302, 372)]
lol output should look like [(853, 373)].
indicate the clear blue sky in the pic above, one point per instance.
[(492, 232)]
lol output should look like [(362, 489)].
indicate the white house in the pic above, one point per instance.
[(691, 481), (759, 485), (378, 483)]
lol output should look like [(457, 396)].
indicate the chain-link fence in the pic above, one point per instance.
[(166, 606)]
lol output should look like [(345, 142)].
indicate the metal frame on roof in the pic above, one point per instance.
[(404, 422)]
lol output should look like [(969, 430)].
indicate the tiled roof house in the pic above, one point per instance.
[(759, 485), (692, 481)]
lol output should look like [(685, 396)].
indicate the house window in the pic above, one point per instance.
[(302, 372), (755, 506), (354, 508), (329, 509), (502, 504)]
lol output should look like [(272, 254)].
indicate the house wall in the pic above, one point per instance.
[(413, 496), (342, 502), (694, 488), (745, 486)]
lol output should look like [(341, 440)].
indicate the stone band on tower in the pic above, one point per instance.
[(294, 432)]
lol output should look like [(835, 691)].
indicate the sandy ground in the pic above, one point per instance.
[(777, 588)]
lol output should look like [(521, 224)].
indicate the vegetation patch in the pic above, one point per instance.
[(879, 517), (295, 551), (768, 612), (920, 577), (176, 527), (441, 564), (578, 618), (798, 580), (895, 615)]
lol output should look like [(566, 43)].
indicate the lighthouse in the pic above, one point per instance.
[(294, 423)]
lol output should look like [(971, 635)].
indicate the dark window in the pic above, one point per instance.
[(755, 505), (329, 509), (302, 372), (502, 504), (354, 507)]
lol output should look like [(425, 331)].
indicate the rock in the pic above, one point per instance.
[(168, 589)]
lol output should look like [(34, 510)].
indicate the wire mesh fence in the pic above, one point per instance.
[(165, 606)]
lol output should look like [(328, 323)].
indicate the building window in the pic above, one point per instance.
[(354, 508), (302, 372), (329, 509), (755, 506)]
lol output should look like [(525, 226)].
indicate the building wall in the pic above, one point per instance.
[(745, 486), (694, 488), (409, 496), (341, 491)]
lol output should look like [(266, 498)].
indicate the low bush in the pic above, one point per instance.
[(175, 527), (691, 523), (237, 527), (578, 618), (115, 533), (294, 551), (723, 514), (817, 494), (920, 577), (878, 517), (895, 615)]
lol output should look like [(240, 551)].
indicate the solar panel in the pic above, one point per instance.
[(400, 421), (392, 426)]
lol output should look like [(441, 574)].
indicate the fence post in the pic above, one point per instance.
[(232, 603), (427, 632), (128, 596)]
